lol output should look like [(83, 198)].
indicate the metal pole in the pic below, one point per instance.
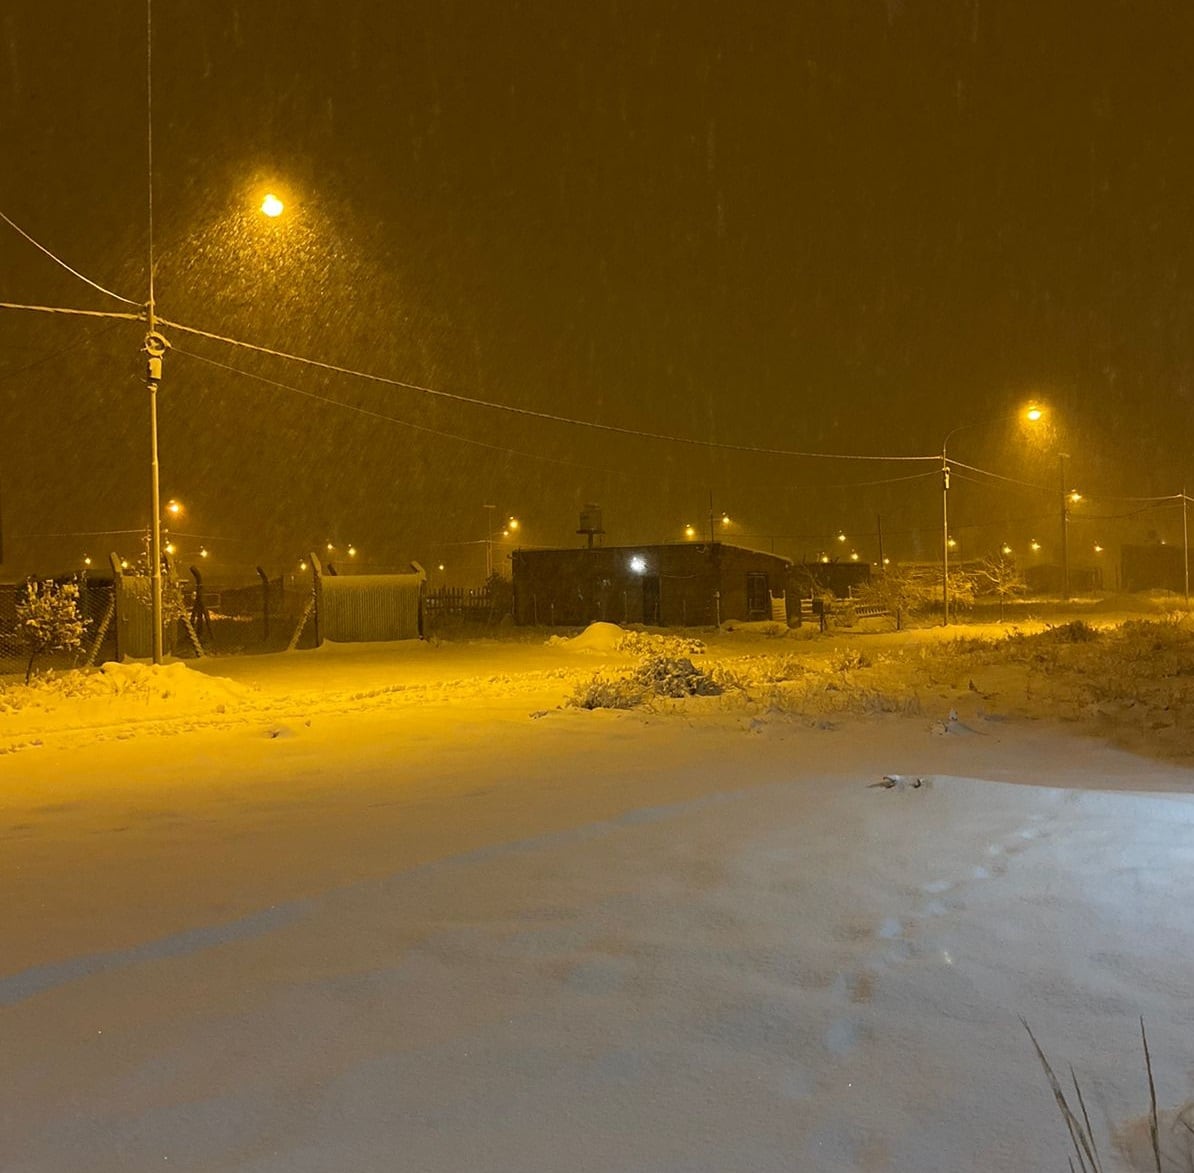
[(1065, 532), (155, 347), (489, 541), (1186, 544), (944, 538), (879, 531)]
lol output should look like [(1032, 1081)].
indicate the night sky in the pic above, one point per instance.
[(845, 227)]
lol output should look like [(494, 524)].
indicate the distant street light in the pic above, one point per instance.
[(690, 531), (271, 206)]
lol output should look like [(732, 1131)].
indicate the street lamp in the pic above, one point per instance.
[(1033, 414), (272, 206)]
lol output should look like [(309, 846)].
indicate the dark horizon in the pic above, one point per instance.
[(845, 229)]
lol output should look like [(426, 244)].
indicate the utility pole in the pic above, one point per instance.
[(879, 531), (1065, 530), (1186, 543), (489, 541), (155, 348), (944, 537)]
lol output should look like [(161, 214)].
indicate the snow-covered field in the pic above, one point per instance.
[(400, 907)]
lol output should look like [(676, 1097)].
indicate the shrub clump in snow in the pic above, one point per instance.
[(644, 643), (656, 676)]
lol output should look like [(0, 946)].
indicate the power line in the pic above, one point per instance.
[(516, 451), (59, 261), (530, 412), (57, 309)]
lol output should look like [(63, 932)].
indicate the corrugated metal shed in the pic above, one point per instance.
[(362, 608)]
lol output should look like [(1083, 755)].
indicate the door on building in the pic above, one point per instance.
[(651, 599), (758, 596)]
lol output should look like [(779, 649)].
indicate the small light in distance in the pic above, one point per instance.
[(1005, 549), (352, 550), (1098, 549), (271, 206), (952, 543), (302, 564), (638, 564), (1075, 496), (86, 559), (1035, 546), (124, 564), (1034, 413), (169, 547), (824, 557), (174, 508), (202, 551), (725, 519), (853, 555), (690, 531), (513, 523), (841, 537)]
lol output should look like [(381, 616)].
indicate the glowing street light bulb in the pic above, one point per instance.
[(352, 551), (1034, 413), (1005, 548), (1098, 549), (841, 537), (725, 519), (689, 531), (202, 551), (853, 555), (1035, 546), (169, 547), (638, 564), (513, 523), (173, 507), (302, 564), (953, 543), (272, 207), (331, 548), (1074, 496), (824, 557), (86, 559)]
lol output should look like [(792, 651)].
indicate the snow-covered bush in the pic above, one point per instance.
[(675, 677), (645, 643), (604, 692), (48, 619), (655, 676), (849, 659)]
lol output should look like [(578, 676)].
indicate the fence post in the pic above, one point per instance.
[(264, 603)]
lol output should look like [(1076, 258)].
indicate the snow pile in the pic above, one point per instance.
[(609, 637), (597, 637), (111, 696)]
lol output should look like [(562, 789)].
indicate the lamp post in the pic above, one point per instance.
[(1032, 415)]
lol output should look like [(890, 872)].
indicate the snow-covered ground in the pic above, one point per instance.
[(398, 907)]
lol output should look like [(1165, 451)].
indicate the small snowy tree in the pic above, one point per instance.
[(902, 590), (48, 619), (1002, 578)]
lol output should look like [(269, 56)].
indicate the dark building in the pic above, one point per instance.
[(1153, 567), (691, 584)]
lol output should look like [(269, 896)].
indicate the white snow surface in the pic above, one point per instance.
[(393, 907)]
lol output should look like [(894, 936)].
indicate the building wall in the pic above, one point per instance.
[(679, 585)]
